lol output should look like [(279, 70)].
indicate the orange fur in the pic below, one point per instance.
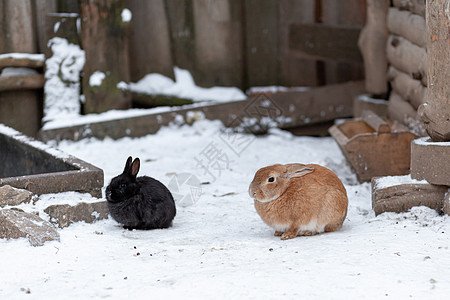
[(313, 203)]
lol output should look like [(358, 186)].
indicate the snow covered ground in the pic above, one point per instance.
[(218, 247)]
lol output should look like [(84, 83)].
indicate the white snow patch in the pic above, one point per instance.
[(62, 86), (388, 181), (10, 71), (426, 141), (96, 78), (184, 87), (30, 56), (126, 15)]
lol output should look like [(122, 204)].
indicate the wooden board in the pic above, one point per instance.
[(401, 198), (373, 151), (316, 41), (29, 82), (286, 110)]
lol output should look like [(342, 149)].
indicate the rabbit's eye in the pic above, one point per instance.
[(123, 185), (271, 179)]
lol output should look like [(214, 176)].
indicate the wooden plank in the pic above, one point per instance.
[(323, 42), (29, 82), (42, 8), (401, 198), (294, 70), (11, 61), (261, 33), (105, 42), (436, 113), (287, 110), (63, 25), (149, 40), (372, 43), (218, 43), (343, 13)]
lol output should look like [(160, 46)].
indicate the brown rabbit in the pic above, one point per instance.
[(297, 199)]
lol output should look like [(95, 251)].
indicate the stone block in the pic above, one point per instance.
[(15, 224), (401, 193), (430, 161), (64, 215), (13, 196)]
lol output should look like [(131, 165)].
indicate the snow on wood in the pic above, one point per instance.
[(401, 193), (62, 86)]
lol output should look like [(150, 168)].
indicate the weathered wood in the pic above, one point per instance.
[(407, 57), (218, 43), (105, 42), (286, 110), (402, 197), (409, 89), (294, 71), (146, 101), (372, 43), (149, 40), (430, 161), (19, 109), (374, 121), (29, 82), (61, 25), (317, 41), (372, 153), (435, 113), (368, 102), (9, 60), (408, 25), (261, 28), (415, 6), (403, 112), (342, 13), (42, 8)]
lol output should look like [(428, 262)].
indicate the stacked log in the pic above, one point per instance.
[(407, 56)]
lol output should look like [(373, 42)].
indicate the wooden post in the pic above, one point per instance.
[(19, 109), (105, 42), (435, 113), (149, 40), (43, 8), (372, 43)]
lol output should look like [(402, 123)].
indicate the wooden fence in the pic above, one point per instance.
[(242, 43)]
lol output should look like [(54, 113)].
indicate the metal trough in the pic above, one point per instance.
[(29, 164)]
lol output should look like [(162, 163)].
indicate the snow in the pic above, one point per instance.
[(17, 72), (126, 15), (426, 141), (30, 56), (218, 246), (388, 181), (96, 78), (184, 87), (62, 86)]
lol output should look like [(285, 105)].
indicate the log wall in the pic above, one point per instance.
[(406, 51)]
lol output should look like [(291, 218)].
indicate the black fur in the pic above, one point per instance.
[(139, 202)]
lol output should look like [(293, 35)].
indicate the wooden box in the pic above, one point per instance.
[(374, 147)]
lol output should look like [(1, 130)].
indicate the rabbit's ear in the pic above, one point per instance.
[(127, 165), (298, 170), (135, 167)]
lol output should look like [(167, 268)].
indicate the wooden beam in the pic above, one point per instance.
[(284, 110), (11, 61), (318, 41), (29, 82)]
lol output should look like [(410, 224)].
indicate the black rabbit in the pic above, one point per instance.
[(139, 203)]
